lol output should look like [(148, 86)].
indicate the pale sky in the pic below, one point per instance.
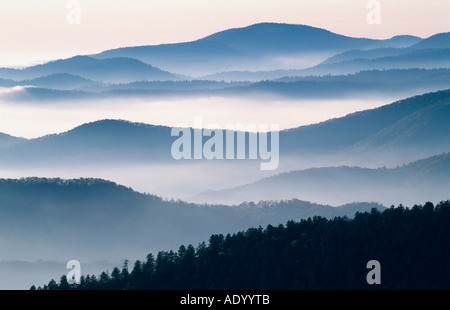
[(37, 30)]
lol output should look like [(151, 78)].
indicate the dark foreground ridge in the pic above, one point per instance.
[(411, 245)]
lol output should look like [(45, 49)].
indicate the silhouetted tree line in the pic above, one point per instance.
[(412, 246)]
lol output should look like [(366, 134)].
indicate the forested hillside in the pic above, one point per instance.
[(412, 246), (96, 219)]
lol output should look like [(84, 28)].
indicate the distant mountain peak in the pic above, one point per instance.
[(251, 48), (268, 26), (274, 36)]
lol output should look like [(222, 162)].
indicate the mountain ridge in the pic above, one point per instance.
[(118, 69), (247, 44), (82, 211), (333, 137), (425, 178)]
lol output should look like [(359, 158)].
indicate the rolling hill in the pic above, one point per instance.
[(427, 179), (354, 135), (400, 132), (111, 70), (374, 83), (61, 81), (105, 141), (57, 219), (415, 58), (313, 254), (350, 62), (428, 53), (249, 48), (438, 41)]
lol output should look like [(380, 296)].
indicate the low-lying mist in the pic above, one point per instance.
[(185, 179), (179, 179), (34, 119)]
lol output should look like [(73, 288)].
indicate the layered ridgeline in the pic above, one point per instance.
[(94, 219), (411, 246), (427, 179), (362, 85), (414, 129), (397, 133), (111, 70), (400, 132), (67, 87), (256, 47), (105, 141), (232, 61), (429, 53), (407, 58)]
